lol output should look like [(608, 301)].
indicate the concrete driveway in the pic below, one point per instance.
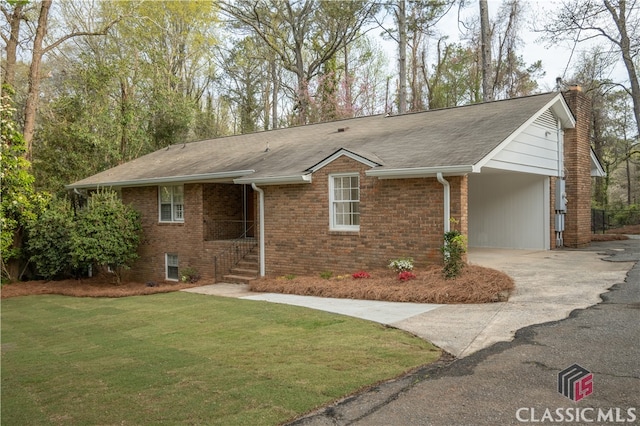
[(517, 382), (549, 285)]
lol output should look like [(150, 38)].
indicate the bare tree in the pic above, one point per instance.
[(304, 34), (401, 18), (617, 22), (485, 45)]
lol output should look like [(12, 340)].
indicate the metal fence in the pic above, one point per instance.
[(603, 220)]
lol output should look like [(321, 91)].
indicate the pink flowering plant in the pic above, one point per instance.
[(406, 276), (361, 274)]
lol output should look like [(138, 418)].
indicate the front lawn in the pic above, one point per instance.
[(182, 358)]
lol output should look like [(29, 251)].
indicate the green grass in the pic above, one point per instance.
[(182, 358)]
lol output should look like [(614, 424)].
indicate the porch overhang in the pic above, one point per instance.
[(421, 172), (198, 178)]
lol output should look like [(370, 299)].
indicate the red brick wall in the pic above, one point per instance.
[(577, 163), (223, 211), (399, 217), (184, 239)]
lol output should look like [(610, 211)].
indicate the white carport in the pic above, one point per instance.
[(509, 200)]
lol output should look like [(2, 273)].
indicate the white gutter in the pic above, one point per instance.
[(382, 173), (275, 180), (261, 224), (159, 180), (447, 202)]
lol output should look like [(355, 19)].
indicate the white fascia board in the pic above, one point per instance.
[(164, 180), (417, 172), (596, 166), (275, 180), (559, 108), (339, 153), (562, 111)]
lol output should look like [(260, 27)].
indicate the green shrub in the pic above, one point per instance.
[(189, 275), (454, 248), (326, 275), (107, 233), (629, 215), (20, 204), (49, 240)]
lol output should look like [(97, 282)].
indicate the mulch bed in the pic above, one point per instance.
[(91, 287), (476, 284)]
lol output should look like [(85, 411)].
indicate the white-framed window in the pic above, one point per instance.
[(344, 200), (171, 203), (171, 266)]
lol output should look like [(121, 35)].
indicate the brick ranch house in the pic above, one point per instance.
[(351, 194)]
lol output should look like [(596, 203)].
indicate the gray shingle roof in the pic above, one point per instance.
[(443, 138)]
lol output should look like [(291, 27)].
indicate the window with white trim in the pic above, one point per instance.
[(171, 267), (171, 203), (344, 200)]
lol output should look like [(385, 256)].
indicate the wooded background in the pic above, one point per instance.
[(98, 83)]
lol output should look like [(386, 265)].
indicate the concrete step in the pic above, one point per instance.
[(248, 264), (239, 279), (245, 271)]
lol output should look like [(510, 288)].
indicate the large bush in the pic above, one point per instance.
[(106, 233), (19, 202), (50, 239)]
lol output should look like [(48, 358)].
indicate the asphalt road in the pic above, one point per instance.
[(517, 382)]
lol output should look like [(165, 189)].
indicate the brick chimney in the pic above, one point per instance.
[(577, 164)]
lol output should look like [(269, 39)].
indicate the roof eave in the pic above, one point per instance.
[(275, 180), (205, 177), (419, 172)]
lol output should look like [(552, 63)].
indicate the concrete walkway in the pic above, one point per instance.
[(549, 285)]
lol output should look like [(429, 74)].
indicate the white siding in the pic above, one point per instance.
[(509, 210), (534, 150)]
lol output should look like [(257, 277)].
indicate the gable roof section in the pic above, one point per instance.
[(452, 141)]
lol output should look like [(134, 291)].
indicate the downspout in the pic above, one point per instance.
[(261, 224), (447, 202)]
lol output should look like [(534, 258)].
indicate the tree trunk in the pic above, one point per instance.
[(402, 54), (347, 83), (598, 148), (31, 105), (12, 45), (625, 48), (628, 170), (485, 43), (274, 96)]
